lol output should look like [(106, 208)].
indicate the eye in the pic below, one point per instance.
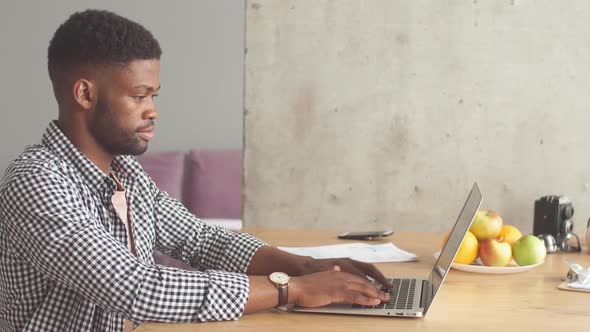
[(138, 98), (154, 95)]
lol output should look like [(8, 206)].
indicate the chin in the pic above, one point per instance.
[(139, 150), (132, 149)]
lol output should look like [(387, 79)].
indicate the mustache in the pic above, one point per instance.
[(149, 125)]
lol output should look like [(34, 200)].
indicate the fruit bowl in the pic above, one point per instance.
[(478, 267)]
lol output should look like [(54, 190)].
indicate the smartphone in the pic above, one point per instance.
[(364, 235)]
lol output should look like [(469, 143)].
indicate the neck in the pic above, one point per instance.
[(80, 137)]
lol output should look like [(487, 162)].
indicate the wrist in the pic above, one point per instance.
[(282, 282), (294, 290), (302, 265)]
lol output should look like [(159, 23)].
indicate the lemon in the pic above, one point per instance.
[(509, 234)]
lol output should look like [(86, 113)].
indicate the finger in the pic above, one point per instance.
[(385, 284), (363, 270), (348, 266), (357, 298), (373, 272), (364, 287)]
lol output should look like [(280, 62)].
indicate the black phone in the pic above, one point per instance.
[(364, 235)]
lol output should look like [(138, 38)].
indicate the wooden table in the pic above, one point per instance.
[(527, 301)]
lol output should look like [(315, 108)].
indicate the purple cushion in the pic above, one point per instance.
[(213, 186), (166, 169)]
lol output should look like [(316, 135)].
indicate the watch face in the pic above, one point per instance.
[(279, 278)]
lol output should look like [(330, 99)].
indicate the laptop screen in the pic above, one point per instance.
[(443, 263)]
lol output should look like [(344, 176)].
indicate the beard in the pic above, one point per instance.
[(112, 136)]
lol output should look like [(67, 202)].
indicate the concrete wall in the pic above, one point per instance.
[(200, 104), (381, 114)]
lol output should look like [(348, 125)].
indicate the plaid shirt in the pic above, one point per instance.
[(64, 260)]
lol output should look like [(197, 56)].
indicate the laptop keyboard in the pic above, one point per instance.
[(401, 295)]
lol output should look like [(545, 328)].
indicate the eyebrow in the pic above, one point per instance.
[(147, 87)]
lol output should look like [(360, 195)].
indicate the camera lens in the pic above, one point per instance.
[(567, 227), (568, 212)]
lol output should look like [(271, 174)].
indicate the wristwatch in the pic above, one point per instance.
[(281, 280)]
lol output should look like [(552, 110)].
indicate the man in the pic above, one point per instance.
[(80, 219)]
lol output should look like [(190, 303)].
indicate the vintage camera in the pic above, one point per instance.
[(553, 215), (553, 219)]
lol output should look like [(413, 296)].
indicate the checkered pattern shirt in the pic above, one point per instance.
[(64, 260)]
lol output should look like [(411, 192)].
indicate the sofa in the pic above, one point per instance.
[(207, 182)]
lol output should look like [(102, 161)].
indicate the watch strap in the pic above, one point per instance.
[(283, 295)]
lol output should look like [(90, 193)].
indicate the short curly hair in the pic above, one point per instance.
[(98, 37)]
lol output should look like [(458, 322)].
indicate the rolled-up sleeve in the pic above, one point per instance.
[(49, 226), (183, 236)]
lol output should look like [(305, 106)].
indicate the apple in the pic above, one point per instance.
[(494, 253), (486, 225), (529, 250)]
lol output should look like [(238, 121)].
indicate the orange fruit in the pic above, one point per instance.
[(509, 234), (468, 250)]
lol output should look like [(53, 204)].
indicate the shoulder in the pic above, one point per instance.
[(35, 164)]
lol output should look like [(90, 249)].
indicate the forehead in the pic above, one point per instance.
[(137, 72)]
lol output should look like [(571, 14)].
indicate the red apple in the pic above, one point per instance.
[(486, 225), (494, 253)]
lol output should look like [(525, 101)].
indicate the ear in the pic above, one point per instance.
[(85, 93)]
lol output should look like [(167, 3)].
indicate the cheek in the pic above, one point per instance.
[(127, 114)]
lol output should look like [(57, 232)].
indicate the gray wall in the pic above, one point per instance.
[(200, 104), (381, 114)]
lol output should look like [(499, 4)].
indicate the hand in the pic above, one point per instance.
[(323, 288), (345, 265)]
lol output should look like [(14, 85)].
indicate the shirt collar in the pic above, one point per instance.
[(123, 166)]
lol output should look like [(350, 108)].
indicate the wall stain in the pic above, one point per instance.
[(256, 6), (333, 199), (400, 133), (402, 38), (303, 110)]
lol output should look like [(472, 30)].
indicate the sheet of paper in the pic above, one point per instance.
[(579, 285), (363, 252)]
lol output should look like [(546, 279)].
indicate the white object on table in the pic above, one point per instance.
[(581, 276), (368, 253)]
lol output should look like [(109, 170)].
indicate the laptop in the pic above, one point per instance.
[(412, 297)]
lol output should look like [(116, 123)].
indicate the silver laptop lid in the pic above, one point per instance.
[(447, 255)]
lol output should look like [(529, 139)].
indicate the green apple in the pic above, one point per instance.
[(486, 225), (529, 250), (494, 253)]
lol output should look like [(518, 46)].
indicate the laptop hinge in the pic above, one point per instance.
[(423, 294)]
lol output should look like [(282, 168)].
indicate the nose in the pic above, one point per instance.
[(151, 113)]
